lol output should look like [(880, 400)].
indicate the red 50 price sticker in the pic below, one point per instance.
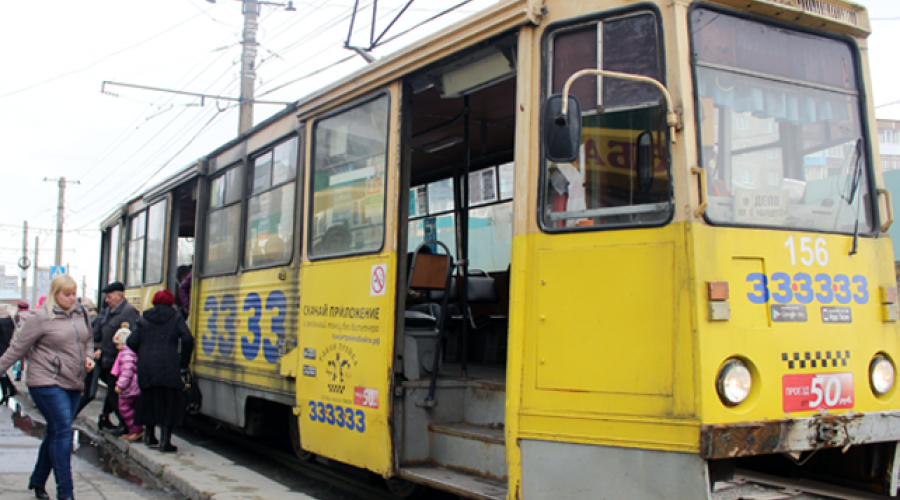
[(365, 397), (817, 391)]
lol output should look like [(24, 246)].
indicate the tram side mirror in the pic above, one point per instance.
[(645, 162), (561, 134)]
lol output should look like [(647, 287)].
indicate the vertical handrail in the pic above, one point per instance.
[(441, 320)]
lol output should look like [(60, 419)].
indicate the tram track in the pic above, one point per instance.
[(746, 485), (311, 469)]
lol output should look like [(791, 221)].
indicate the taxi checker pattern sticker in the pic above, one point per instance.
[(811, 391)]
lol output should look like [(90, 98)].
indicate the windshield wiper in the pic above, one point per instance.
[(854, 187)]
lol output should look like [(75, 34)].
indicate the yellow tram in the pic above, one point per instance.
[(476, 266)]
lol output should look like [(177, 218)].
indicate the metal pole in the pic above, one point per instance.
[(464, 240), (35, 285), (248, 64), (24, 268), (60, 220)]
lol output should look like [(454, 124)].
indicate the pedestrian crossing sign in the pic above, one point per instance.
[(57, 271)]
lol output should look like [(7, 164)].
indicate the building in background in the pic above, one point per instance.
[(9, 282), (43, 282), (889, 144)]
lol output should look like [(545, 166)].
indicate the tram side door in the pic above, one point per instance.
[(346, 316)]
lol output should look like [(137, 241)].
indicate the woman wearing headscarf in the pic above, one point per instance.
[(163, 344), (7, 329), (60, 345)]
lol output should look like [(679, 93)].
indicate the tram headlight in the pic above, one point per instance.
[(734, 382), (881, 375)]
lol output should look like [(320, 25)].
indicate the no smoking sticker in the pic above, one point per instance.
[(378, 280)]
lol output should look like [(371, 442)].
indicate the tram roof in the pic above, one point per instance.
[(844, 16)]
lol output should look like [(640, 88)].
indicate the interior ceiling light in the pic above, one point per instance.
[(477, 72), (447, 142)]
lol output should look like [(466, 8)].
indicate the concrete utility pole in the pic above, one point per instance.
[(35, 286), (60, 216), (24, 262), (248, 64)]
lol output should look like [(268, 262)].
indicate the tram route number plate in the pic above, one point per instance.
[(812, 391)]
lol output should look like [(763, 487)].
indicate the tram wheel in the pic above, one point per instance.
[(401, 488), (295, 440)]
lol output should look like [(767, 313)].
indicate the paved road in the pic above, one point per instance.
[(20, 438)]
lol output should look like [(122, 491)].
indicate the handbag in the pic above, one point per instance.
[(191, 398)]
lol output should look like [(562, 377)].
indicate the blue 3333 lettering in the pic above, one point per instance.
[(804, 288), (344, 417), (251, 339)]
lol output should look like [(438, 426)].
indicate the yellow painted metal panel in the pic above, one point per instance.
[(346, 349), (142, 297), (743, 312), (245, 324), (808, 272), (607, 338), (676, 435), (593, 311)]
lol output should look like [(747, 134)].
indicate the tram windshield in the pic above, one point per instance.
[(780, 127), (621, 176)]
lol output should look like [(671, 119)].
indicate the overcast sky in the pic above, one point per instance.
[(54, 120)]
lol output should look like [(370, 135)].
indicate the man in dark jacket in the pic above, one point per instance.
[(163, 344), (108, 323)]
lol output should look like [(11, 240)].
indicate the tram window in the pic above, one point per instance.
[(490, 237), (490, 222), (135, 272), (605, 185), (349, 160), (155, 237), (270, 208), (483, 187), (780, 127), (113, 263), (431, 216), (507, 181), (223, 222)]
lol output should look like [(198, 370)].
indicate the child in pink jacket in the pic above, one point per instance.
[(127, 387)]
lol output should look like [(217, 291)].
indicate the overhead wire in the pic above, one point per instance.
[(219, 113), (131, 130), (383, 42), (113, 191), (170, 99), (98, 61), (141, 148), (332, 22)]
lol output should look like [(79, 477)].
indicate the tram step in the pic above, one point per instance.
[(485, 403), (459, 483), (464, 446)]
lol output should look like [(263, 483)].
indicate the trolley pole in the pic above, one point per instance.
[(60, 216), (248, 64)]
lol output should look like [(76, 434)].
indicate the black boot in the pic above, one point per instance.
[(39, 491), (9, 390), (165, 440), (150, 436), (104, 423)]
